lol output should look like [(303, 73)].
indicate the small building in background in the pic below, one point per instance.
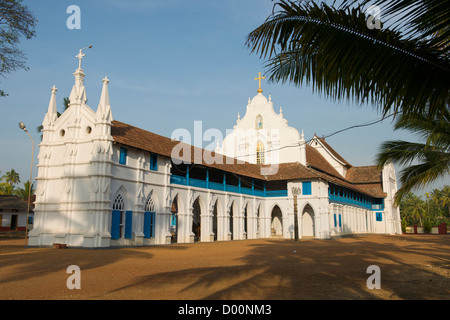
[(13, 214)]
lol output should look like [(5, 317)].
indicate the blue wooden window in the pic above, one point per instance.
[(379, 216), (153, 162), (149, 224), (335, 222), (123, 156), (115, 225), (340, 221), (128, 224), (306, 188)]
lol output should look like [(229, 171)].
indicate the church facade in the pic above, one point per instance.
[(103, 183)]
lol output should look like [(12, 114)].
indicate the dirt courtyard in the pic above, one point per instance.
[(411, 267)]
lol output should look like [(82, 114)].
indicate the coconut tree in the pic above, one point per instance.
[(12, 177), (412, 208), (400, 68), (424, 162), (24, 193)]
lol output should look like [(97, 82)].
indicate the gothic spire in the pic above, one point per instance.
[(51, 115), (104, 107)]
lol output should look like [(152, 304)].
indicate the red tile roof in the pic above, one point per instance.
[(317, 167)]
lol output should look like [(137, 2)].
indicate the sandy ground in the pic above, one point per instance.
[(411, 266)]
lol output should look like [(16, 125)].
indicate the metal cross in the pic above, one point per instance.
[(259, 78)]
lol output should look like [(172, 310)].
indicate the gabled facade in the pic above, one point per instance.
[(103, 183)]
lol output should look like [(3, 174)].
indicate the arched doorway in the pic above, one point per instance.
[(196, 220), (257, 222), (231, 221), (174, 220), (276, 222), (246, 222), (214, 221), (308, 227)]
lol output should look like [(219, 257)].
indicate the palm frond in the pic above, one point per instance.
[(334, 51), (424, 162)]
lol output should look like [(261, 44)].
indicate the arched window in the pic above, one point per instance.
[(260, 153), (117, 222), (118, 203), (150, 206)]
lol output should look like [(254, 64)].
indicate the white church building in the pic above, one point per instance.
[(103, 183)]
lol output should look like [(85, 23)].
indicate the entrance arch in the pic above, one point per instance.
[(231, 217), (246, 222), (276, 222), (308, 225), (214, 220), (196, 220), (174, 220)]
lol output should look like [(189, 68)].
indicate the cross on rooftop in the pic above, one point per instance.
[(259, 78), (80, 56)]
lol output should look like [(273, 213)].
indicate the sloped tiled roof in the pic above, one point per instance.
[(315, 160), (364, 174), (337, 155), (367, 178), (12, 202), (141, 139), (317, 166)]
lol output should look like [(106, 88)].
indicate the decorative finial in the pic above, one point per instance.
[(281, 110), (105, 80), (54, 89), (259, 78), (239, 116), (270, 97)]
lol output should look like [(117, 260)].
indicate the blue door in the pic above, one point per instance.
[(149, 224), (128, 224), (115, 225)]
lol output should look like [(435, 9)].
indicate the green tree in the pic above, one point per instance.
[(424, 162), (12, 177), (24, 193), (15, 21), (412, 209), (441, 197), (8, 181)]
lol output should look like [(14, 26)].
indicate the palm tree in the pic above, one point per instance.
[(425, 162), (444, 198), (6, 189), (12, 177), (412, 208), (403, 68), (24, 193)]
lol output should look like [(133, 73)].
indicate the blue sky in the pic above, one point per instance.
[(170, 63)]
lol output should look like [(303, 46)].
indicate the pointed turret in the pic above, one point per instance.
[(104, 107), (302, 144), (51, 115)]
